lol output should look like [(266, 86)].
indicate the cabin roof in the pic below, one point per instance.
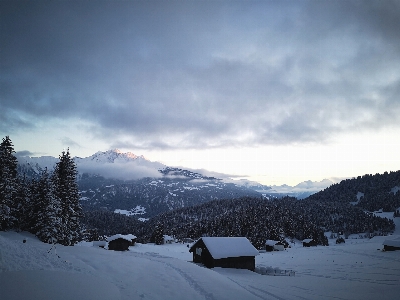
[(223, 247), (393, 242), (307, 240), (128, 237), (271, 242)]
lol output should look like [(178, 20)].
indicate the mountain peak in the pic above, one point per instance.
[(114, 155)]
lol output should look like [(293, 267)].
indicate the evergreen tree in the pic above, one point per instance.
[(66, 189), (48, 217), (158, 234), (32, 207), (8, 184), (23, 203)]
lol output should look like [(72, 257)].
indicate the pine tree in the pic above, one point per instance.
[(48, 216), (158, 234), (31, 208), (23, 203), (8, 184), (66, 189)]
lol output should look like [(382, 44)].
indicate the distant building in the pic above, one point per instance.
[(309, 243), (224, 252), (168, 239), (119, 242), (391, 245), (271, 245)]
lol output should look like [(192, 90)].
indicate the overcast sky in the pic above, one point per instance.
[(280, 91)]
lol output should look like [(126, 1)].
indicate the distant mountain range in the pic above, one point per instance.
[(133, 185)]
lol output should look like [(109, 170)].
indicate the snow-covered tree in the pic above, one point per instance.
[(8, 184), (23, 203), (66, 189), (48, 216), (158, 234)]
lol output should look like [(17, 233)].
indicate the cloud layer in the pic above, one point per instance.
[(183, 74)]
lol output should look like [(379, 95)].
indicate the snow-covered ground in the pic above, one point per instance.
[(357, 269)]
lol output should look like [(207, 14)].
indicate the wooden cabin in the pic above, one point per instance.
[(270, 245), (309, 243), (224, 252), (279, 246), (391, 245), (118, 242)]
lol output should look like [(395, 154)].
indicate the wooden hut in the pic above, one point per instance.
[(309, 243), (391, 245), (118, 242), (270, 245), (279, 246), (224, 252)]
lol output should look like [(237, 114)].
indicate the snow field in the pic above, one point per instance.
[(354, 270)]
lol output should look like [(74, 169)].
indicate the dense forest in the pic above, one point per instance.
[(256, 218)]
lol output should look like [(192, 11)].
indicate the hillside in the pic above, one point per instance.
[(260, 219), (180, 189), (369, 192)]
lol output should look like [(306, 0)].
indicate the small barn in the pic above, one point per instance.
[(309, 243), (224, 252), (271, 245), (391, 245), (118, 242)]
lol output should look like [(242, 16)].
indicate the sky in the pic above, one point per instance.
[(273, 91)]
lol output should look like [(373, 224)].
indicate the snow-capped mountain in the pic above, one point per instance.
[(117, 181), (110, 164), (34, 166), (301, 190)]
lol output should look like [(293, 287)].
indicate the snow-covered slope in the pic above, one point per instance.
[(354, 270)]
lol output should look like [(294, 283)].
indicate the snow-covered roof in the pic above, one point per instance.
[(223, 247), (128, 237), (307, 240), (271, 242), (393, 242)]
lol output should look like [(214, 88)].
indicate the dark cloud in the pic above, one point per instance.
[(183, 74), (24, 153), (68, 142)]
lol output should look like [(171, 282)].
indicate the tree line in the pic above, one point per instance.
[(47, 206)]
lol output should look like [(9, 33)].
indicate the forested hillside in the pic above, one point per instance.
[(342, 208), (375, 192), (256, 218)]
